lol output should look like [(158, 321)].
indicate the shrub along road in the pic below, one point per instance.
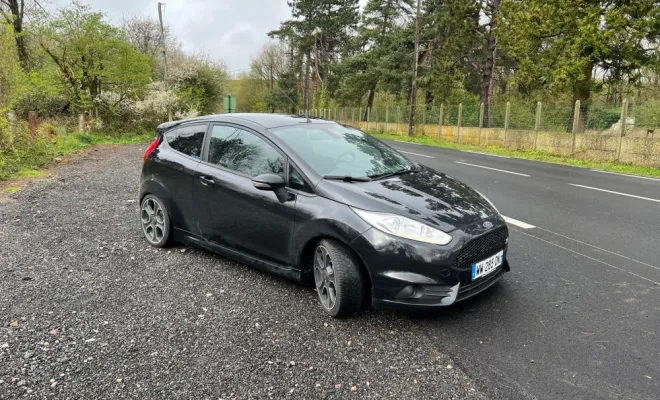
[(89, 310)]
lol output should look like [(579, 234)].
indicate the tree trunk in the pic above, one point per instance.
[(428, 100), (489, 61), (17, 8), (370, 101), (272, 106), (582, 92), (306, 91)]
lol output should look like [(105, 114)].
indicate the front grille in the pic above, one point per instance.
[(480, 248)]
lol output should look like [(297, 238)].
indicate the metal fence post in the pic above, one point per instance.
[(507, 116), (360, 114), (352, 114), (458, 123), (398, 118), (368, 112), (537, 123), (481, 121), (442, 118), (335, 113)]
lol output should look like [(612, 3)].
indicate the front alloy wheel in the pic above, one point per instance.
[(339, 278), (324, 276)]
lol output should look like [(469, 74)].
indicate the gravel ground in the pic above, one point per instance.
[(89, 310)]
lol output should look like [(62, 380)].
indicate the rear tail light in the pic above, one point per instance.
[(151, 148)]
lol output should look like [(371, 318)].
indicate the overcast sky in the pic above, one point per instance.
[(231, 30)]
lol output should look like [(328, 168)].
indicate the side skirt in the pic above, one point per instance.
[(284, 271)]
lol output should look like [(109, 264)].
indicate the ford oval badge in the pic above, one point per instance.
[(488, 224)]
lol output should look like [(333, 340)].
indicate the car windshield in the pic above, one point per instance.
[(333, 150)]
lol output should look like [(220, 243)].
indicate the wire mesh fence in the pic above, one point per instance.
[(532, 116)]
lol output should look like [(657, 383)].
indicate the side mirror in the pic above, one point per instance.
[(268, 182)]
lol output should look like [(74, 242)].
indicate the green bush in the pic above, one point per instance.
[(601, 119)]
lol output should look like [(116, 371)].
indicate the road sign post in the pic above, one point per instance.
[(229, 104)]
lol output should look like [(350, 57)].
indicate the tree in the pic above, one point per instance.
[(449, 32), (268, 66), (13, 12), (486, 32), (92, 55), (144, 34), (319, 30), (372, 47), (11, 75), (202, 87), (559, 43)]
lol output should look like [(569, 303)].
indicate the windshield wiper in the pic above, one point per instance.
[(388, 174), (347, 178)]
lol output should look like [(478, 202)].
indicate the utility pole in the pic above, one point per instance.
[(413, 88), (162, 42)]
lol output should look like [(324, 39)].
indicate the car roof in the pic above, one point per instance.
[(267, 121)]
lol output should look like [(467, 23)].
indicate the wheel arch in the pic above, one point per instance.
[(155, 188), (307, 251)]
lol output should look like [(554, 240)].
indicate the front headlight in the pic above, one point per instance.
[(403, 227)]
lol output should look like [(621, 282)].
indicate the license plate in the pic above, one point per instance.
[(485, 267)]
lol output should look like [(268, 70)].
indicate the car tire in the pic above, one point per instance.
[(155, 221), (338, 278)]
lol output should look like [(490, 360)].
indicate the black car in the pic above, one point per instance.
[(317, 201)]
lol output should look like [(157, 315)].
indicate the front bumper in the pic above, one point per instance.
[(413, 275)]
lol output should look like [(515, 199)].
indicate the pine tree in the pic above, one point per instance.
[(373, 49)]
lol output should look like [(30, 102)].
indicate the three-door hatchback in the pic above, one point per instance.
[(316, 201)]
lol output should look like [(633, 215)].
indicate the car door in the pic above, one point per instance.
[(232, 212), (174, 170)]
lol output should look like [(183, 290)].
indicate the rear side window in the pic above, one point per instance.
[(187, 140), (244, 152)]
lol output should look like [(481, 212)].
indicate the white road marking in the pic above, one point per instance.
[(517, 223), (415, 154), (591, 258), (494, 169), (601, 249), (613, 192), (628, 175), (485, 154)]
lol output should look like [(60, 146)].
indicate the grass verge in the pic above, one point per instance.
[(528, 155), (28, 158)]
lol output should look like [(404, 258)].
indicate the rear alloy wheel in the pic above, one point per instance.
[(338, 278), (155, 221)]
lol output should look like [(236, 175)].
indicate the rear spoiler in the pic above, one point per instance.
[(160, 129)]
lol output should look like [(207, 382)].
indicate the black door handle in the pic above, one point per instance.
[(206, 181)]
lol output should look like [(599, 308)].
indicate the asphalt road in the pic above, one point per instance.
[(579, 315)]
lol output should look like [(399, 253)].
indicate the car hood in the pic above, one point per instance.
[(427, 196)]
